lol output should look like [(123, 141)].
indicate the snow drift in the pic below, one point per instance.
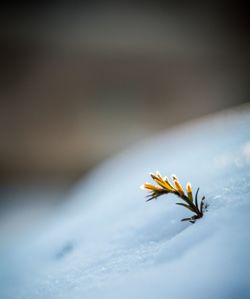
[(106, 242)]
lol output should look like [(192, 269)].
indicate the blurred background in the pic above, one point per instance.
[(81, 82)]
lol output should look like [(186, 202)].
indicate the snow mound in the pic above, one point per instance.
[(106, 242)]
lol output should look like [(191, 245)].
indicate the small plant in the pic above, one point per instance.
[(164, 187)]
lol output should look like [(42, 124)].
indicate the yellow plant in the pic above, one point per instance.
[(164, 186)]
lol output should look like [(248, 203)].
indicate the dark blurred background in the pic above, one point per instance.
[(80, 82)]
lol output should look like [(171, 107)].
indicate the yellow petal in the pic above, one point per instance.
[(189, 188), (153, 176), (151, 187), (174, 177), (159, 180), (189, 191), (179, 187), (163, 184), (166, 180)]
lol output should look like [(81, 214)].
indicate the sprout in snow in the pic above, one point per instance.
[(164, 186)]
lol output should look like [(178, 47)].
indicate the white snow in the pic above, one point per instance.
[(107, 242)]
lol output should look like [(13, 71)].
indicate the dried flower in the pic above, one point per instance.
[(164, 186)]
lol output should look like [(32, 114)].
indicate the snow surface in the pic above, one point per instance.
[(106, 242)]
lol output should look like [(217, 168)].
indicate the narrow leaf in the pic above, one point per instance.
[(187, 219), (202, 204), (150, 199), (196, 198)]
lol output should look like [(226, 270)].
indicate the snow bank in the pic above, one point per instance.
[(106, 242)]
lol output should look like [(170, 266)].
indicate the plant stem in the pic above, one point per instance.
[(191, 204)]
